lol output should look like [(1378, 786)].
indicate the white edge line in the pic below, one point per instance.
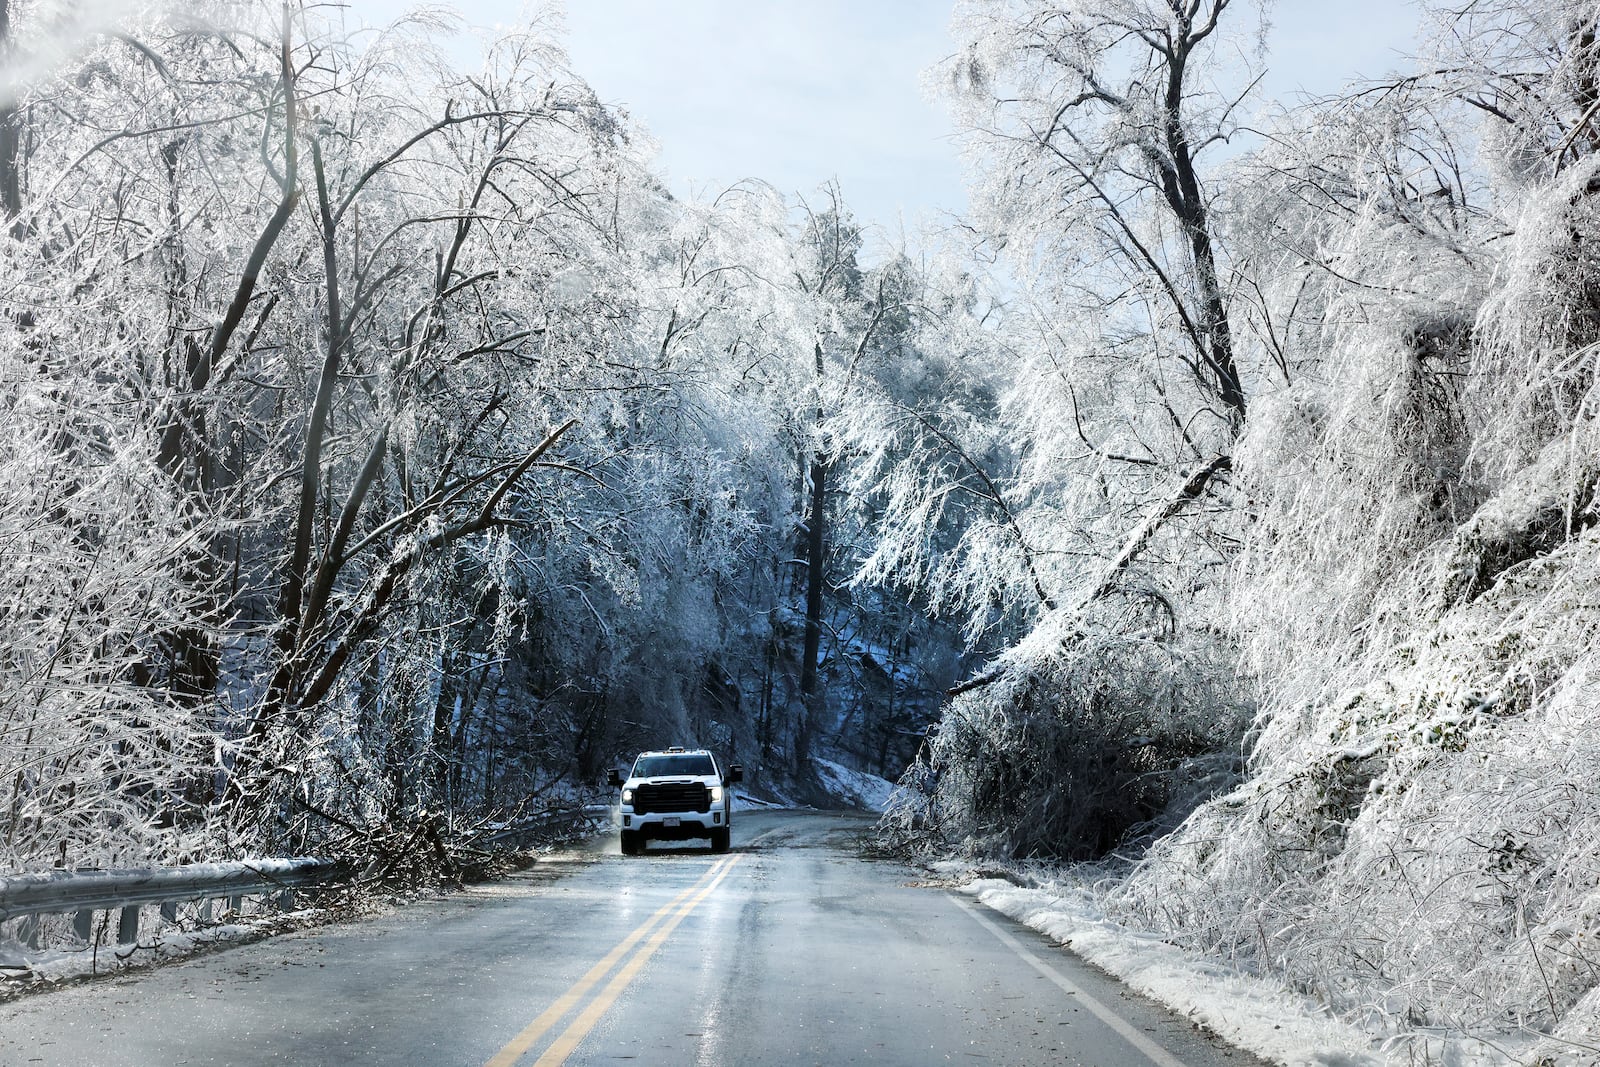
[(1154, 1052)]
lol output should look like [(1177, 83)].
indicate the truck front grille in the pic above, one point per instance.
[(687, 796)]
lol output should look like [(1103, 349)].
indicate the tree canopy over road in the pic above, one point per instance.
[(384, 448)]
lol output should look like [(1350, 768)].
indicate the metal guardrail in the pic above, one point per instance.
[(60, 891), (26, 896), (84, 892)]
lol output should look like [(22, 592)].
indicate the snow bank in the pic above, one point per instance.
[(743, 801), (1258, 1014), (22, 968), (865, 791), (1252, 1013)]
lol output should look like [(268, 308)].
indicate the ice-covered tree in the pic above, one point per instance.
[(1413, 593), (1093, 130)]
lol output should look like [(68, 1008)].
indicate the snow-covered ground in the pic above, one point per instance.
[(22, 968), (865, 791), (743, 801), (846, 786), (1251, 1012)]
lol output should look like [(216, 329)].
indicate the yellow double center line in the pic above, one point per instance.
[(668, 918)]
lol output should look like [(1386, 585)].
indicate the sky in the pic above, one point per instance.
[(799, 92), (795, 93)]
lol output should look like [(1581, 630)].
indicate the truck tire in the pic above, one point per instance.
[(631, 845), (719, 838)]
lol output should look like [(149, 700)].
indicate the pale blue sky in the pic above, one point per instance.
[(801, 91)]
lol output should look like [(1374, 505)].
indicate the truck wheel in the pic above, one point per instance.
[(719, 839), (630, 842)]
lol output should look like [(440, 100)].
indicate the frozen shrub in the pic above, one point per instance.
[(1075, 752)]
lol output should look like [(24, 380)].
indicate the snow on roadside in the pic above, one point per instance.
[(22, 969), (1256, 1014), (743, 801), (866, 791)]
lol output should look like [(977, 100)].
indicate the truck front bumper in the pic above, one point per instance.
[(673, 825)]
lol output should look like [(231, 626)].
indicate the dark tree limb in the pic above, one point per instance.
[(362, 626)]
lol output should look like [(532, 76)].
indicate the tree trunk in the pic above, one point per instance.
[(816, 551), (816, 547), (1181, 188), (10, 135)]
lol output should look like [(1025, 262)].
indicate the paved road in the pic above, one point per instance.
[(790, 949)]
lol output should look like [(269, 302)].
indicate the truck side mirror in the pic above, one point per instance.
[(734, 776), (614, 777)]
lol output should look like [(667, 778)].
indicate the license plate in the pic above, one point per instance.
[(671, 822)]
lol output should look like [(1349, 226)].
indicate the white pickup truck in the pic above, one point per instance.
[(675, 795)]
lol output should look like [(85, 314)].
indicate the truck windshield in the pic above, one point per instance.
[(660, 766)]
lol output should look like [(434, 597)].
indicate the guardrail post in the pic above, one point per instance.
[(128, 925), (83, 925), (169, 911), (235, 904)]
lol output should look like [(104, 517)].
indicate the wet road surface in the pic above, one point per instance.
[(790, 949)]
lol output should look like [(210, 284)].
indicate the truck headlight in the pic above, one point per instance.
[(716, 794), (627, 796)]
